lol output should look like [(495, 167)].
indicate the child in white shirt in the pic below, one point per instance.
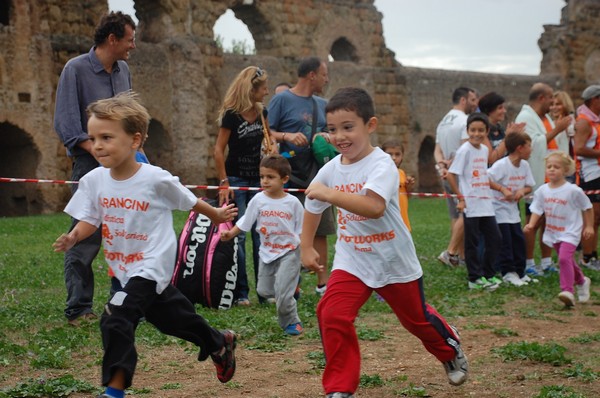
[(133, 204), (278, 217), (568, 211), (511, 179), (475, 201), (374, 249)]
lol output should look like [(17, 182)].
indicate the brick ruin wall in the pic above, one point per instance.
[(182, 76)]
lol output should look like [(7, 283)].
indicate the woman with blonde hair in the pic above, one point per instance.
[(242, 127)]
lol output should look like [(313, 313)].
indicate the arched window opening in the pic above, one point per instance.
[(159, 146), (233, 36), (20, 159), (343, 50), (428, 178), (5, 12)]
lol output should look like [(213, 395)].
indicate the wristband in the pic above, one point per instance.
[(224, 180)]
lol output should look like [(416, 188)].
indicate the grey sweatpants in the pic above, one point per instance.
[(279, 279)]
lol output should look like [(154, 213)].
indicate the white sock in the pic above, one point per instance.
[(530, 263), (546, 262)]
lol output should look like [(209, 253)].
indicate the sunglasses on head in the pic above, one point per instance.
[(259, 73)]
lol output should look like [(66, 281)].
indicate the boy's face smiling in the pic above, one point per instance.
[(350, 134), (272, 183), (477, 131), (113, 147)]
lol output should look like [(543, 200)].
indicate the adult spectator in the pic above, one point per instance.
[(450, 134), (283, 86), (492, 105), (101, 73), (293, 123), (542, 130), (586, 145)]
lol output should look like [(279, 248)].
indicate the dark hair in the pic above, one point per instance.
[(516, 139), (478, 117), (352, 99), (277, 163), (113, 22), (490, 101), (461, 92), (393, 143), (307, 65)]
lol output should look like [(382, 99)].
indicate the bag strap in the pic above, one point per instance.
[(315, 120), (266, 133)]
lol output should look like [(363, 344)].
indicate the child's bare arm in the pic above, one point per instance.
[(410, 183), (521, 193), (232, 233), (533, 220), (308, 254), (508, 195), (451, 178), (216, 214), (81, 231), (588, 223), (369, 205)]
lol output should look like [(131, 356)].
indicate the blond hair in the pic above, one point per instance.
[(567, 162), (239, 97), (125, 108), (566, 101)]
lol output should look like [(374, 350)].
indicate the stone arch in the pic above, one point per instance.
[(258, 24), (5, 9), (428, 177), (236, 48), (343, 50), (159, 146), (592, 67), (20, 159)]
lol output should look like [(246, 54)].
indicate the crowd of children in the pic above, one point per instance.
[(374, 250)]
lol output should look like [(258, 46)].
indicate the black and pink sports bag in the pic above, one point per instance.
[(206, 269)]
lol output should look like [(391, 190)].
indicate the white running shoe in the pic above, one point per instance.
[(513, 279), (527, 279), (567, 298), (583, 290)]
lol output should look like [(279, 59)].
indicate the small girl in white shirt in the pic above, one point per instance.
[(568, 211)]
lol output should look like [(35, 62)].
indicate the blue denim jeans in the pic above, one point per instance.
[(241, 199)]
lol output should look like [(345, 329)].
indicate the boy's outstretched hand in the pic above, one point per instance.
[(224, 214), (310, 259), (64, 242)]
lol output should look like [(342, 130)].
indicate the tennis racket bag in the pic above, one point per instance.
[(206, 269)]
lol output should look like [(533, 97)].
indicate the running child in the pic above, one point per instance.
[(568, 211), (278, 217), (475, 202), (395, 149), (374, 250), (511, 179), (132, 202)]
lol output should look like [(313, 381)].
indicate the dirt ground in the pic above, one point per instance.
[(398, 359)]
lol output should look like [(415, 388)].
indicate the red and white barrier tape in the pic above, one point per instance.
[(216, 187)]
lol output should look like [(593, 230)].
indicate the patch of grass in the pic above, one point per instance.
[(580, 372), (585, 338), (370, 381), (412, 391), (171, 386), (559, 392), (369, 334), (504, 332), (316, 359), (551, 353), (58, 387)]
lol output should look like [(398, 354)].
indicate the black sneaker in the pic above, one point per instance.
[(225, 363)]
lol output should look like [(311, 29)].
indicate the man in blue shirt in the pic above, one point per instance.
[(99, 74)]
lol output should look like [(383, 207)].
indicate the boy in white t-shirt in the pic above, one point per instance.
[(511, 179), (475, 202), (278, 217), (133, 204), (569, 216), (374, 250)]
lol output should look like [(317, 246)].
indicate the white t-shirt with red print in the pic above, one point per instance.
[(505, 173), (377, 251), (562, 207), (278, 222), (137, 223), (470, 165)]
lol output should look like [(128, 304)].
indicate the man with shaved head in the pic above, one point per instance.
[(542, 130)]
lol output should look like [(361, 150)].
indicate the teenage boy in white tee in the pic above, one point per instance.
[(374, 249), (511, 179), (133, 202), (278, 217), (475, 202)]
